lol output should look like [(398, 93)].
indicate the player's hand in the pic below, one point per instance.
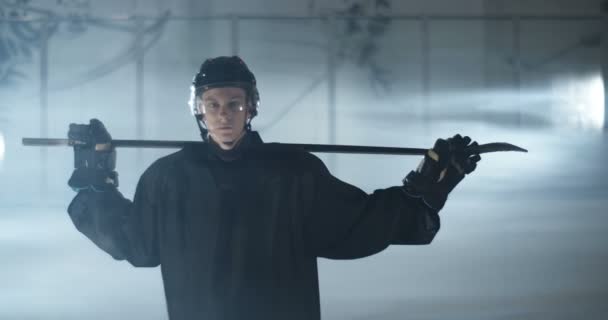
[(94, 157), (442, 168)]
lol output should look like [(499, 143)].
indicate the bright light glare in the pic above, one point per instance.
[(589, 100), (582, 101), (594, 100)]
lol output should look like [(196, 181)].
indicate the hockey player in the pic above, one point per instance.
[(236, 224)]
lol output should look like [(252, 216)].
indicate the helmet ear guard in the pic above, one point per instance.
[(202, 127)]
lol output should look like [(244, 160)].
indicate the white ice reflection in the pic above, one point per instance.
[(2, 149)]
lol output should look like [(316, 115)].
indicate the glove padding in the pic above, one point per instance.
[(442, 168), (93, 179), (94, 157)]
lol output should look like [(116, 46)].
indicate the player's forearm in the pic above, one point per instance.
[(100, 216), (416, 224)]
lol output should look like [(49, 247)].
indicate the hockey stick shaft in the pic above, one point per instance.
[(316, 148)]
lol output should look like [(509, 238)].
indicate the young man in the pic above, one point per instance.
[(237, 224)]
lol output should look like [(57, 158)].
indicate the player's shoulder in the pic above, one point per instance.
[(289, 153), (167, 162)]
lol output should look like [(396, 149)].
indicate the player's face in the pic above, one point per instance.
[(225, 113)]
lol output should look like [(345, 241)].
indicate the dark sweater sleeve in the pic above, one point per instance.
[(127, 230), (347, 223)]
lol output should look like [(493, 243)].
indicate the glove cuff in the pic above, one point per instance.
[(416, 185), (97, 180)]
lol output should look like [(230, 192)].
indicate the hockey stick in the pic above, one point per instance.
[(322, 148)]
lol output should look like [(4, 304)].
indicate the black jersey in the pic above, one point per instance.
[(237, 235)]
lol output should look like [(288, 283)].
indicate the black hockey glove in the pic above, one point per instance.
[(442, 168), (94, 157)]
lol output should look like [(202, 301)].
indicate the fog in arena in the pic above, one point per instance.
[(523, 237)]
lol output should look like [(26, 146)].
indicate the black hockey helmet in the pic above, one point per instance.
[(223, 72)]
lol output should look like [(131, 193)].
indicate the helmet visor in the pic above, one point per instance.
[(197, 107)]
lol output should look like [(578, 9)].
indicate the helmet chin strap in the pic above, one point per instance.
[(202, 127)]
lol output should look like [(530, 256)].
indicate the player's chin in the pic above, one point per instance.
[(224, 133), (227, 136)]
